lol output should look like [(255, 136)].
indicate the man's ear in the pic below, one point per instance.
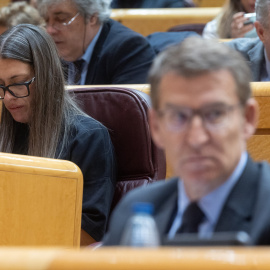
[(94, 19), (155, 128), (260, 30), (251, 117)]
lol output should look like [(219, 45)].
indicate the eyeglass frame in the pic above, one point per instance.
[(65, 24), (199, 112), (27, 84)]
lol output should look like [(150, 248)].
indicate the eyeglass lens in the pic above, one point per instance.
[(212, 117), (17, 90)]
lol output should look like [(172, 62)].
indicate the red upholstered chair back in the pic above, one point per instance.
[(124, 112)]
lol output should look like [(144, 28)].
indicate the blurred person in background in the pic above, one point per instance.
[(97, 49), (257, 50), (17, 13), (230, 23)]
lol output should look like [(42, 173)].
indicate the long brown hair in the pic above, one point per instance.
[(53, 110)]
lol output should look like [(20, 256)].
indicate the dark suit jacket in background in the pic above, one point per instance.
[(253, 51), (151, 3), (246, 209), (120, 56), (162, 40)]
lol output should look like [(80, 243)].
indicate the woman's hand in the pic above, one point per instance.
[(238, 28)]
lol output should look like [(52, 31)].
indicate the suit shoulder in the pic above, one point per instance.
[(265, 174), (119, 32), (244, 44), (85, 127)]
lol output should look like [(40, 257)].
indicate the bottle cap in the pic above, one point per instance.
[(143, 207)]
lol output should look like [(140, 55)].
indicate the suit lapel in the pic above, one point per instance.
[(96, 53), (260, 223), (237, 212), (256, 56), (166, 208)]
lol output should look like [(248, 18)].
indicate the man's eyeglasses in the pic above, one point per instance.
[(18, 90), (213, 117), (60, 25)]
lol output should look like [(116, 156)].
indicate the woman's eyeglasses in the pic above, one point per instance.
[(18, 90)]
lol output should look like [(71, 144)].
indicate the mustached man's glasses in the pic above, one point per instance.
[(60, 25)]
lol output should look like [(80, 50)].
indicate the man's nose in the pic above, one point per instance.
[(50, 29), (197, 134)]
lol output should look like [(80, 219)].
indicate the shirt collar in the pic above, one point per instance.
[(87, 58), (89, 51), (212, 203)]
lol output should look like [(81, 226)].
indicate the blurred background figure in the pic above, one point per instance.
[(231, 22), (151, 3), (17, 13), (96, 49)]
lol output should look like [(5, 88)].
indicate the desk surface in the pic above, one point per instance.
[(215, 258)]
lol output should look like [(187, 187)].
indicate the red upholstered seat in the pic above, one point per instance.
[(124, 112)]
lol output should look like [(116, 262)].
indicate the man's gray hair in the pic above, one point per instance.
[(196, 56), (87, 8), (262, 9)]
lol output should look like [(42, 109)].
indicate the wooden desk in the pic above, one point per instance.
[(175, 258), (147, 21), (4, 3), (209, 3)]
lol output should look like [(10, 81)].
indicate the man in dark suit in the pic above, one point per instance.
[(98, 50), (202, 116)]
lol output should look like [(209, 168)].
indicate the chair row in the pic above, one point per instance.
[(148, 21)]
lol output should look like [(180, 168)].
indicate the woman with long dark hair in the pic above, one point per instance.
[(39, 118)]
